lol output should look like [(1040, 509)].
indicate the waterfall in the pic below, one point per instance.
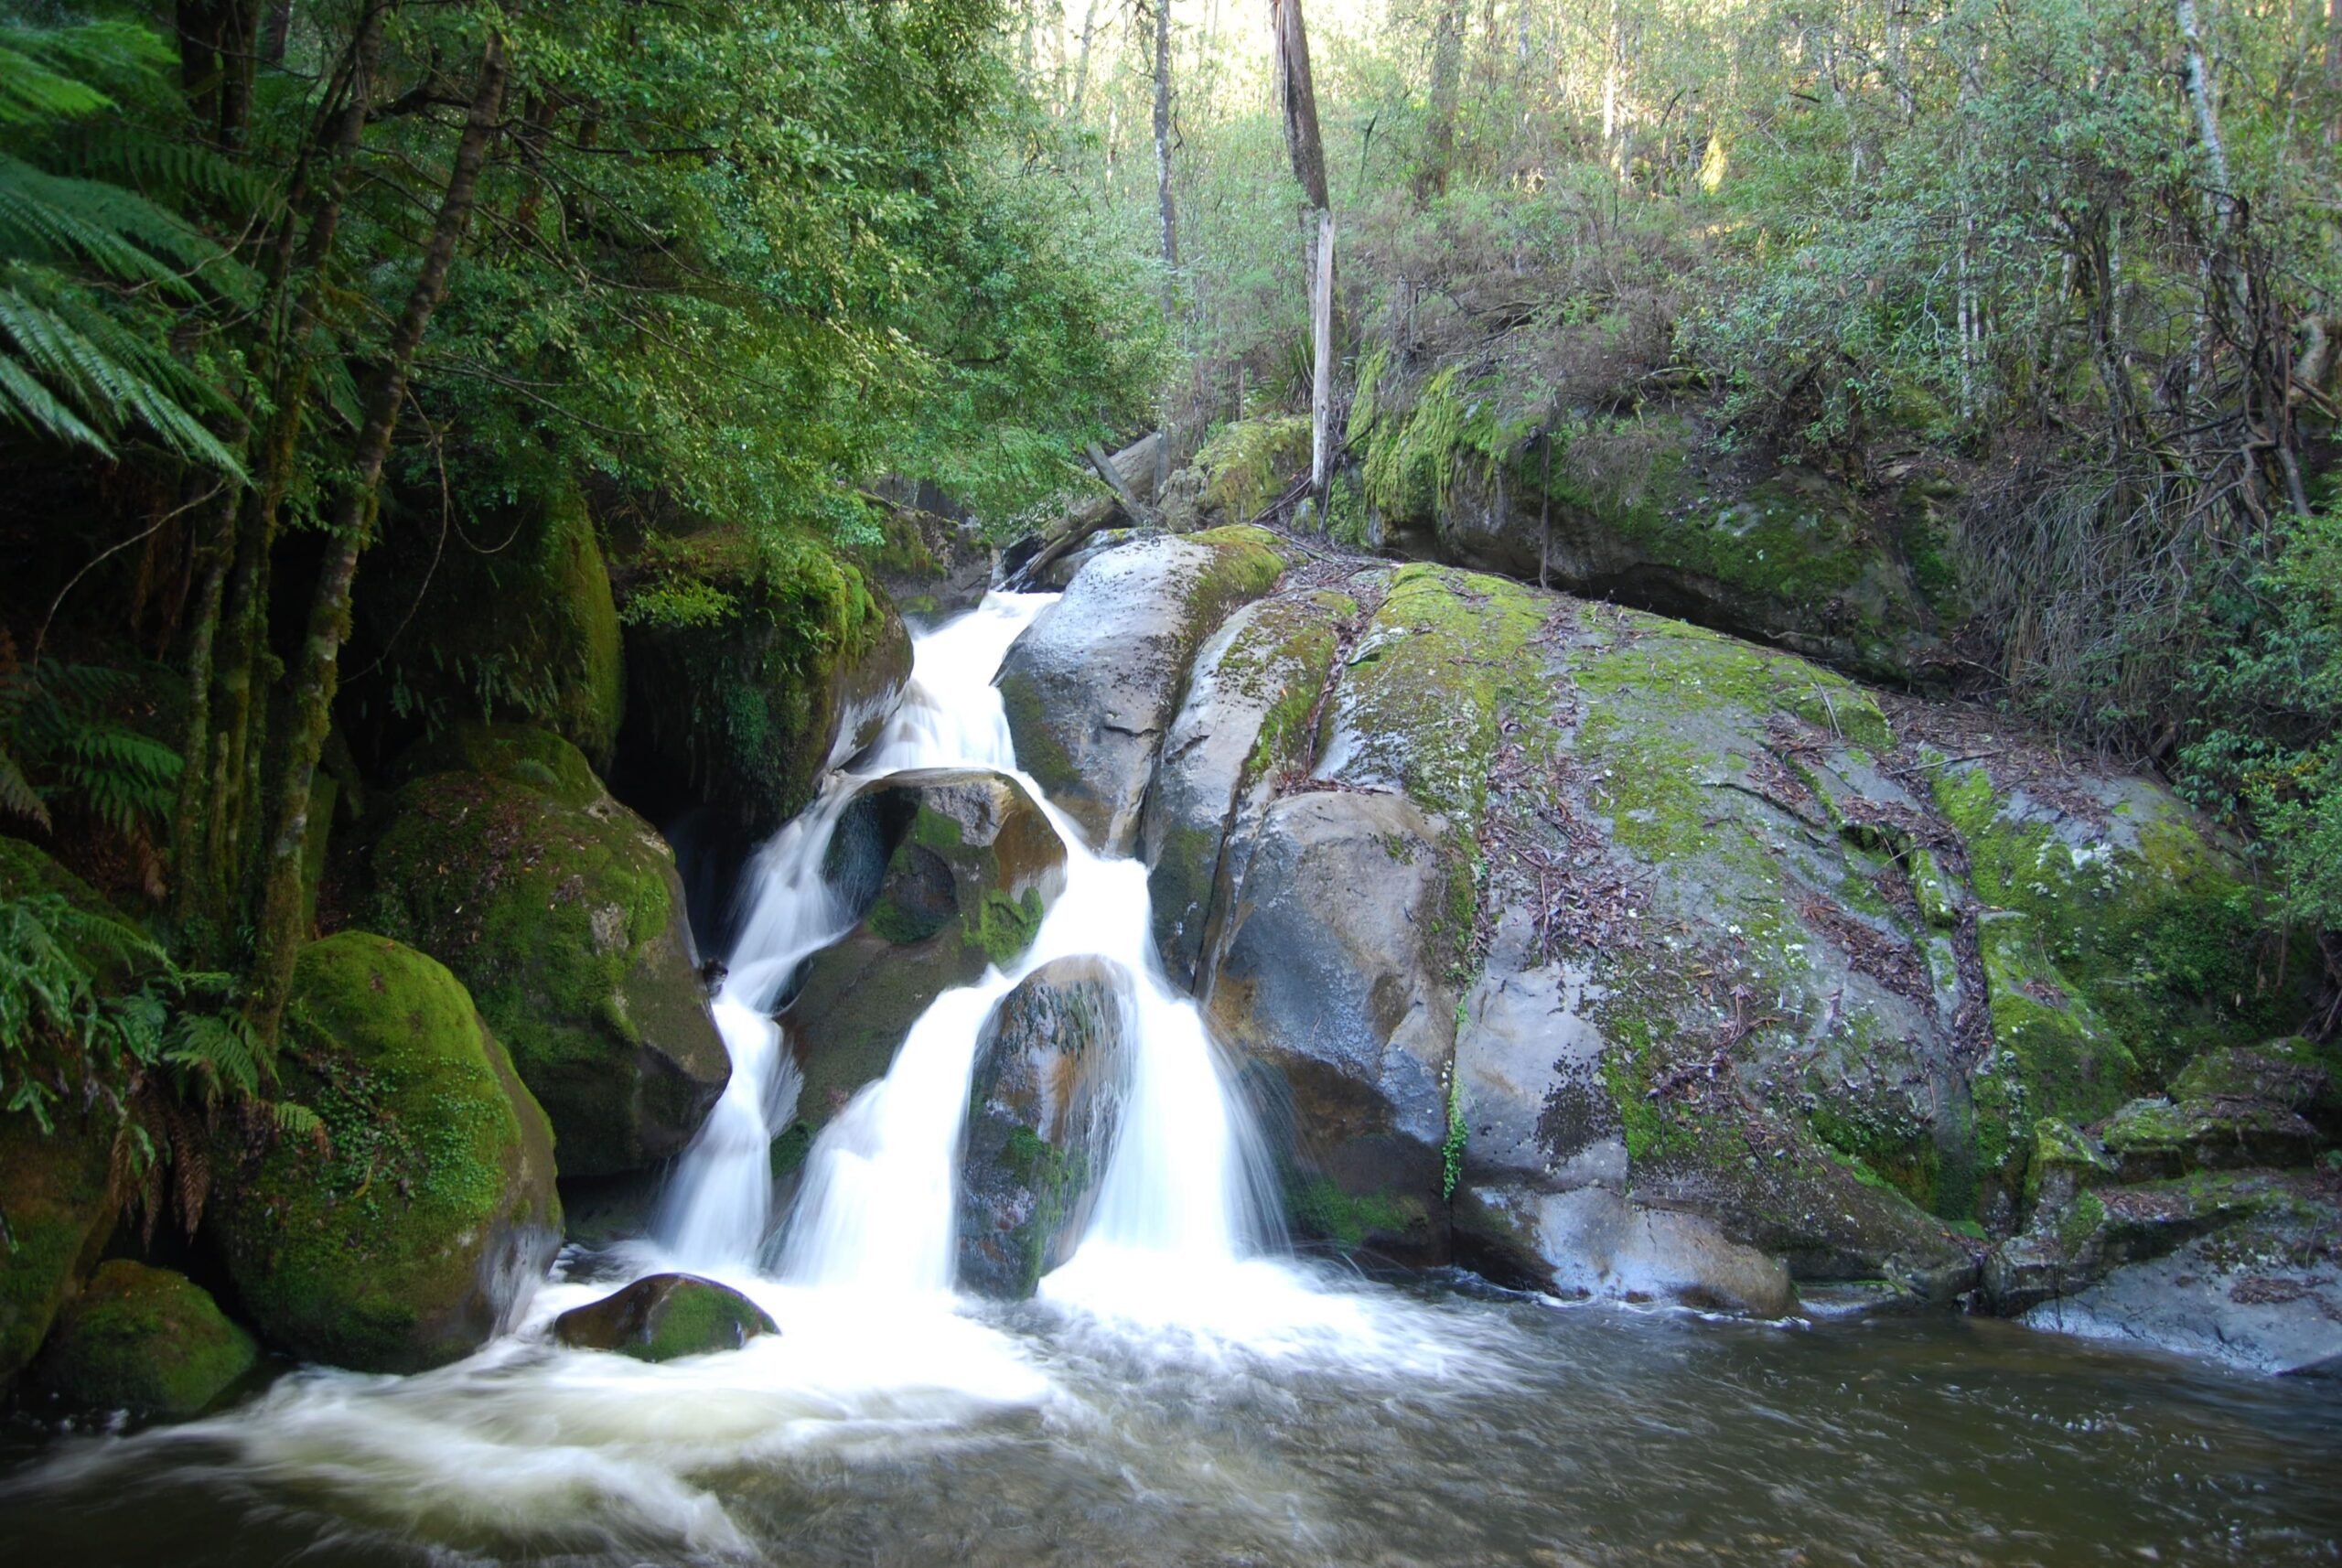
[(875, 1212)]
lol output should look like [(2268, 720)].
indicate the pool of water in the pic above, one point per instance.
[(1314, 1419)]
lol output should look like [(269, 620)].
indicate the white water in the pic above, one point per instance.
[(526, 1448)]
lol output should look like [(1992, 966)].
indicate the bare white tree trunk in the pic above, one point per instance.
[(1321, 335)]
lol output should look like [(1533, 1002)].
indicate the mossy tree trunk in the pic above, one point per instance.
[(282, 916)]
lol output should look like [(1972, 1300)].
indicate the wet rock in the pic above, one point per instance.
[(1593, 1242), (1245, 721), (146, 1340), (2238, 1267), (57, 1190), (1238, 474), (1092, 683), (420, 1223), (664, 1316), (1332, 981), (1042, 1104), (2293, 1072), (958, 867), (743, 712), (561, 911), (929, 564)]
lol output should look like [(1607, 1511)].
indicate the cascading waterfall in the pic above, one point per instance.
[(875, 1213)]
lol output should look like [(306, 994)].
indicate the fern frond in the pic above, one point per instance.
[(298, 1122), (16, 793), (219, 1049), (51, 73), (107, 377)]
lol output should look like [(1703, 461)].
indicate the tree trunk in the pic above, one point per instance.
[(1163, 151), (1298, 99), (282, 926), (2334, 70), (1447, 62), (1081, 62), (1612, 49)]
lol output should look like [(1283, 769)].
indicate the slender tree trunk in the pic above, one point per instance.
[(2334, 70), (317, 676), (1447, 64), (1297, 96), (1082, 62), (1164, 207), (1613, 51)]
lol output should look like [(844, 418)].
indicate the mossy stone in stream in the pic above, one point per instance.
[(561, 911), (416, 1226), (143, 1339), (665, 1317)]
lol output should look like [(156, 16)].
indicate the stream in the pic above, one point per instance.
[(1184, 1389)]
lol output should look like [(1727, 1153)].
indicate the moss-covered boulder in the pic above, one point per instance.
[(1240, 470), (744, 687), (1043, 1106), (505, 859), (1655, 511), (505, 615), (663, 1318), (954, 870), (1245, 722), (2154, 1136), (421, 1219), (58, 1200), (147, 1340), (1095, 679)]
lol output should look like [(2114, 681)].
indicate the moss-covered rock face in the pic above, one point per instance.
[(1042, 1108), (57, 1195), (743, 709), (561, 911), (958, 869), (512, 619), (1094, 681), (1238, 472), (146, 1340), (420, 1223), (1654, 512), (1720, 933), (663, 1318)]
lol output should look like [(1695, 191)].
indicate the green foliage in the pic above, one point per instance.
[(2268, 743), (62, 738)]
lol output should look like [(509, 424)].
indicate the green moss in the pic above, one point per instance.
[(1319, 1208), (698, 1318), (1004, 926), (368, 1251), (2053, 1055), (2164, 940), (528, 633), (557, 908), (1245, 466), (788, 1151), (1444, 662), (146, 1340)]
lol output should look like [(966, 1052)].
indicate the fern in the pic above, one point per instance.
[(58, 725)]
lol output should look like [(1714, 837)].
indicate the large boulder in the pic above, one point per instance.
[(1043, 1103), (503, 615), (664, 1316), (1092, 683), (58, 1195), (786, 662), (1238, 474), (1333, 980), (1658, 512), (1735, 941), (1247, 719), (146, 1340), (928, 563), (417, 1224), (505, 859), (956, 868)]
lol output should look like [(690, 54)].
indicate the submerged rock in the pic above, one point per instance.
[(419, 1224), (957, 868), (504, 858), (664, 1316), (146, 1340), (1042, 1104), (1093, 682)]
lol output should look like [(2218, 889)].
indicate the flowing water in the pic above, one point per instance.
[(1182, 1391)]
